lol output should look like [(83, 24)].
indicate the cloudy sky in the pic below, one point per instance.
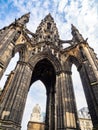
[(82, 13)]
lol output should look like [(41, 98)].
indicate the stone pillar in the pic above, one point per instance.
[(66, 107), (14, 103), (50, 111), (92, 62), (6, 88), (60, 121), (56, 103), (47, 113), (89, 75), (90, 86), (70, 102)]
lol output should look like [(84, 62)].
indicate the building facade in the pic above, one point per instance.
[(85, 119), (42, 57)]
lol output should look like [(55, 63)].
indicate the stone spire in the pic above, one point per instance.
[(20, 22), (77, 37), (36, 114), (23, 20), (47, 31)]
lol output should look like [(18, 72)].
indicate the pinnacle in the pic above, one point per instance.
[(48, 17), (23, 19), (26, 15), (73, 27)]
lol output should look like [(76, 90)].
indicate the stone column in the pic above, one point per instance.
[(13, 105), (6, 89), (90, 86), (89, 75), (92, 62), (60, 121), (66, 107), (56, 103), (50, 111), (70, 102)]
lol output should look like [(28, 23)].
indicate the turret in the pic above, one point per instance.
[(8, 38), (77, 37), (47, 31), (23, 20)]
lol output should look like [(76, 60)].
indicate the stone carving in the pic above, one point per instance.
[(42, 57)]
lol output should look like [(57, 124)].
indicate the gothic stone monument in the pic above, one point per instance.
[(42, 57)]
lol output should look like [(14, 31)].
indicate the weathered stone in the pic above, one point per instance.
[(42, 57)]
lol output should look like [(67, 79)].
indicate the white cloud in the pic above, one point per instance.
[(62, 5), (84, 18)]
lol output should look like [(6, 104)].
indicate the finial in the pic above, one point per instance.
[(23, 20), (49, 17), (49, 14), (27, 15), (73, 27), (76, 34)]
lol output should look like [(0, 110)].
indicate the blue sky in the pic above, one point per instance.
[(82, 13)]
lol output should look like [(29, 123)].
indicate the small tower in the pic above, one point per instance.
[(77, 37), (23, 20), (47, 31)]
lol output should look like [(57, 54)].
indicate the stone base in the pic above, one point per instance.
[(9, 125), (36, 126)]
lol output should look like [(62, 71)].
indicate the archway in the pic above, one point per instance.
[(36, 95), (73, 67), (45, 72)]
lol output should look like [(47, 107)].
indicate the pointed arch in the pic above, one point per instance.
[(36, 95), (44, 55), (21, 48), (74, 60)]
